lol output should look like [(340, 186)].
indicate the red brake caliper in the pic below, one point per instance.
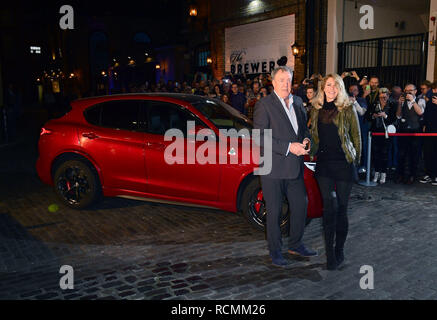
[(259, 199)]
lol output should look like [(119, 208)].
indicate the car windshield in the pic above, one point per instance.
[(223, 115)]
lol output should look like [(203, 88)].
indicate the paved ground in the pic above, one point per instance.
[(126, 249)]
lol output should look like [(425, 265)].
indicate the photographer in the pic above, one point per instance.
[(430, 143), (408, 113), (371, 93), (380, 114)]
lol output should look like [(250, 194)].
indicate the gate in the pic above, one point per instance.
[(395, 60)]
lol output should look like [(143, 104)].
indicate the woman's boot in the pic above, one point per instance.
[(341, 234), (331, 260)]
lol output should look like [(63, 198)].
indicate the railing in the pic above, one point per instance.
[(369, 183), (395, 60)]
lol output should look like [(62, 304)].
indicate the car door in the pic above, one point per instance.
[(193, 181), (115, 141)]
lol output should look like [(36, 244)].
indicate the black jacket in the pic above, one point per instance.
[(270, 114), (376, 124)]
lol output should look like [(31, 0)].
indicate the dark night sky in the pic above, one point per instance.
[(172, 11)]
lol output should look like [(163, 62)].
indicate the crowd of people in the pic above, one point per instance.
[(409, 110)]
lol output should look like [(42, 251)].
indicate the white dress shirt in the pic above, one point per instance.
[(291, 113)]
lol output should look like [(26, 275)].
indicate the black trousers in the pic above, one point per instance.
[(274, 191), (335, 218), (408, 161), (380, 153), (430, 156)]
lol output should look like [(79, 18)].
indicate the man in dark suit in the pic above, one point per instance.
[(285, 115)]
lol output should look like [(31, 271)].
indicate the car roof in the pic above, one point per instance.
[(190, 98)]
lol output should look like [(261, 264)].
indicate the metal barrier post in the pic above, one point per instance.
[(368, 183)]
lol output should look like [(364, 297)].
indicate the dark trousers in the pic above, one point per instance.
[(430, 155), (380, 153), (274, 191), (364, 126), (392, 152), (335, 196), (408, 161)]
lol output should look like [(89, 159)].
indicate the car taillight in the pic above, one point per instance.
[(45, 131)]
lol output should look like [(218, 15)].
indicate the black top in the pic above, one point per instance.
[(430, 117), (331, 160)]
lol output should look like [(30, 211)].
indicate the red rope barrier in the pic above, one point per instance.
[(406, 134)]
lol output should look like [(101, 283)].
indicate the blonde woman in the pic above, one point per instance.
[(336, 141)]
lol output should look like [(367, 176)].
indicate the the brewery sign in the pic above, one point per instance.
[(239, 65), (254, 48)]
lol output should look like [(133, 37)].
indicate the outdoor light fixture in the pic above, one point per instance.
[(103, 73), (193, 11), (209, 60), (158, 66), (295, 49)]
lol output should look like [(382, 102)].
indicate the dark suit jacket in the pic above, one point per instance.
[(269, 113)]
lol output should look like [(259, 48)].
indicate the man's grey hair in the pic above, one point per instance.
[(282, 68), (411, 84)]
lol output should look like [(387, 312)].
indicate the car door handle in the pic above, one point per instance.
[(156, 145), (90, 135)]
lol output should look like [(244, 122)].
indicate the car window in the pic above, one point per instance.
[(92, 115), (116, 114), (222, 115), (163, 116)]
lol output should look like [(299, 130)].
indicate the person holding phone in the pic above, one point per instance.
[(409, 110), (371, 92), (381, 114), (430, 143)]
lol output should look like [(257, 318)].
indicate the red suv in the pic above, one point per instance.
[(114, 146)]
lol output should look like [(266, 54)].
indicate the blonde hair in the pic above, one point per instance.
[(341, 101)]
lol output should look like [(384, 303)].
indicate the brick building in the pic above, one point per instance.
[(306, 28)]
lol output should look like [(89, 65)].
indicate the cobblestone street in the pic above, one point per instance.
[(126, 249)]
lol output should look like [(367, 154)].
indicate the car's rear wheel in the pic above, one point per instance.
[(254, 208), (77, 184)]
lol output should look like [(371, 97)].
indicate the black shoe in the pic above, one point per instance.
[(277, 259), (302, 251), (339, 256), (331, 260)]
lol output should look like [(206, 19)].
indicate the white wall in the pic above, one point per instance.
[(384, 22), (431, 49)]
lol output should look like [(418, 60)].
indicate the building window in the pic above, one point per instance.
[(34, 49), (203, 55)]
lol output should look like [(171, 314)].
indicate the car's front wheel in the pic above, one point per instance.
[(76, 184), (254, 207)]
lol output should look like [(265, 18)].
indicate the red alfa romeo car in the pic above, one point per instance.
[(114, 146)]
